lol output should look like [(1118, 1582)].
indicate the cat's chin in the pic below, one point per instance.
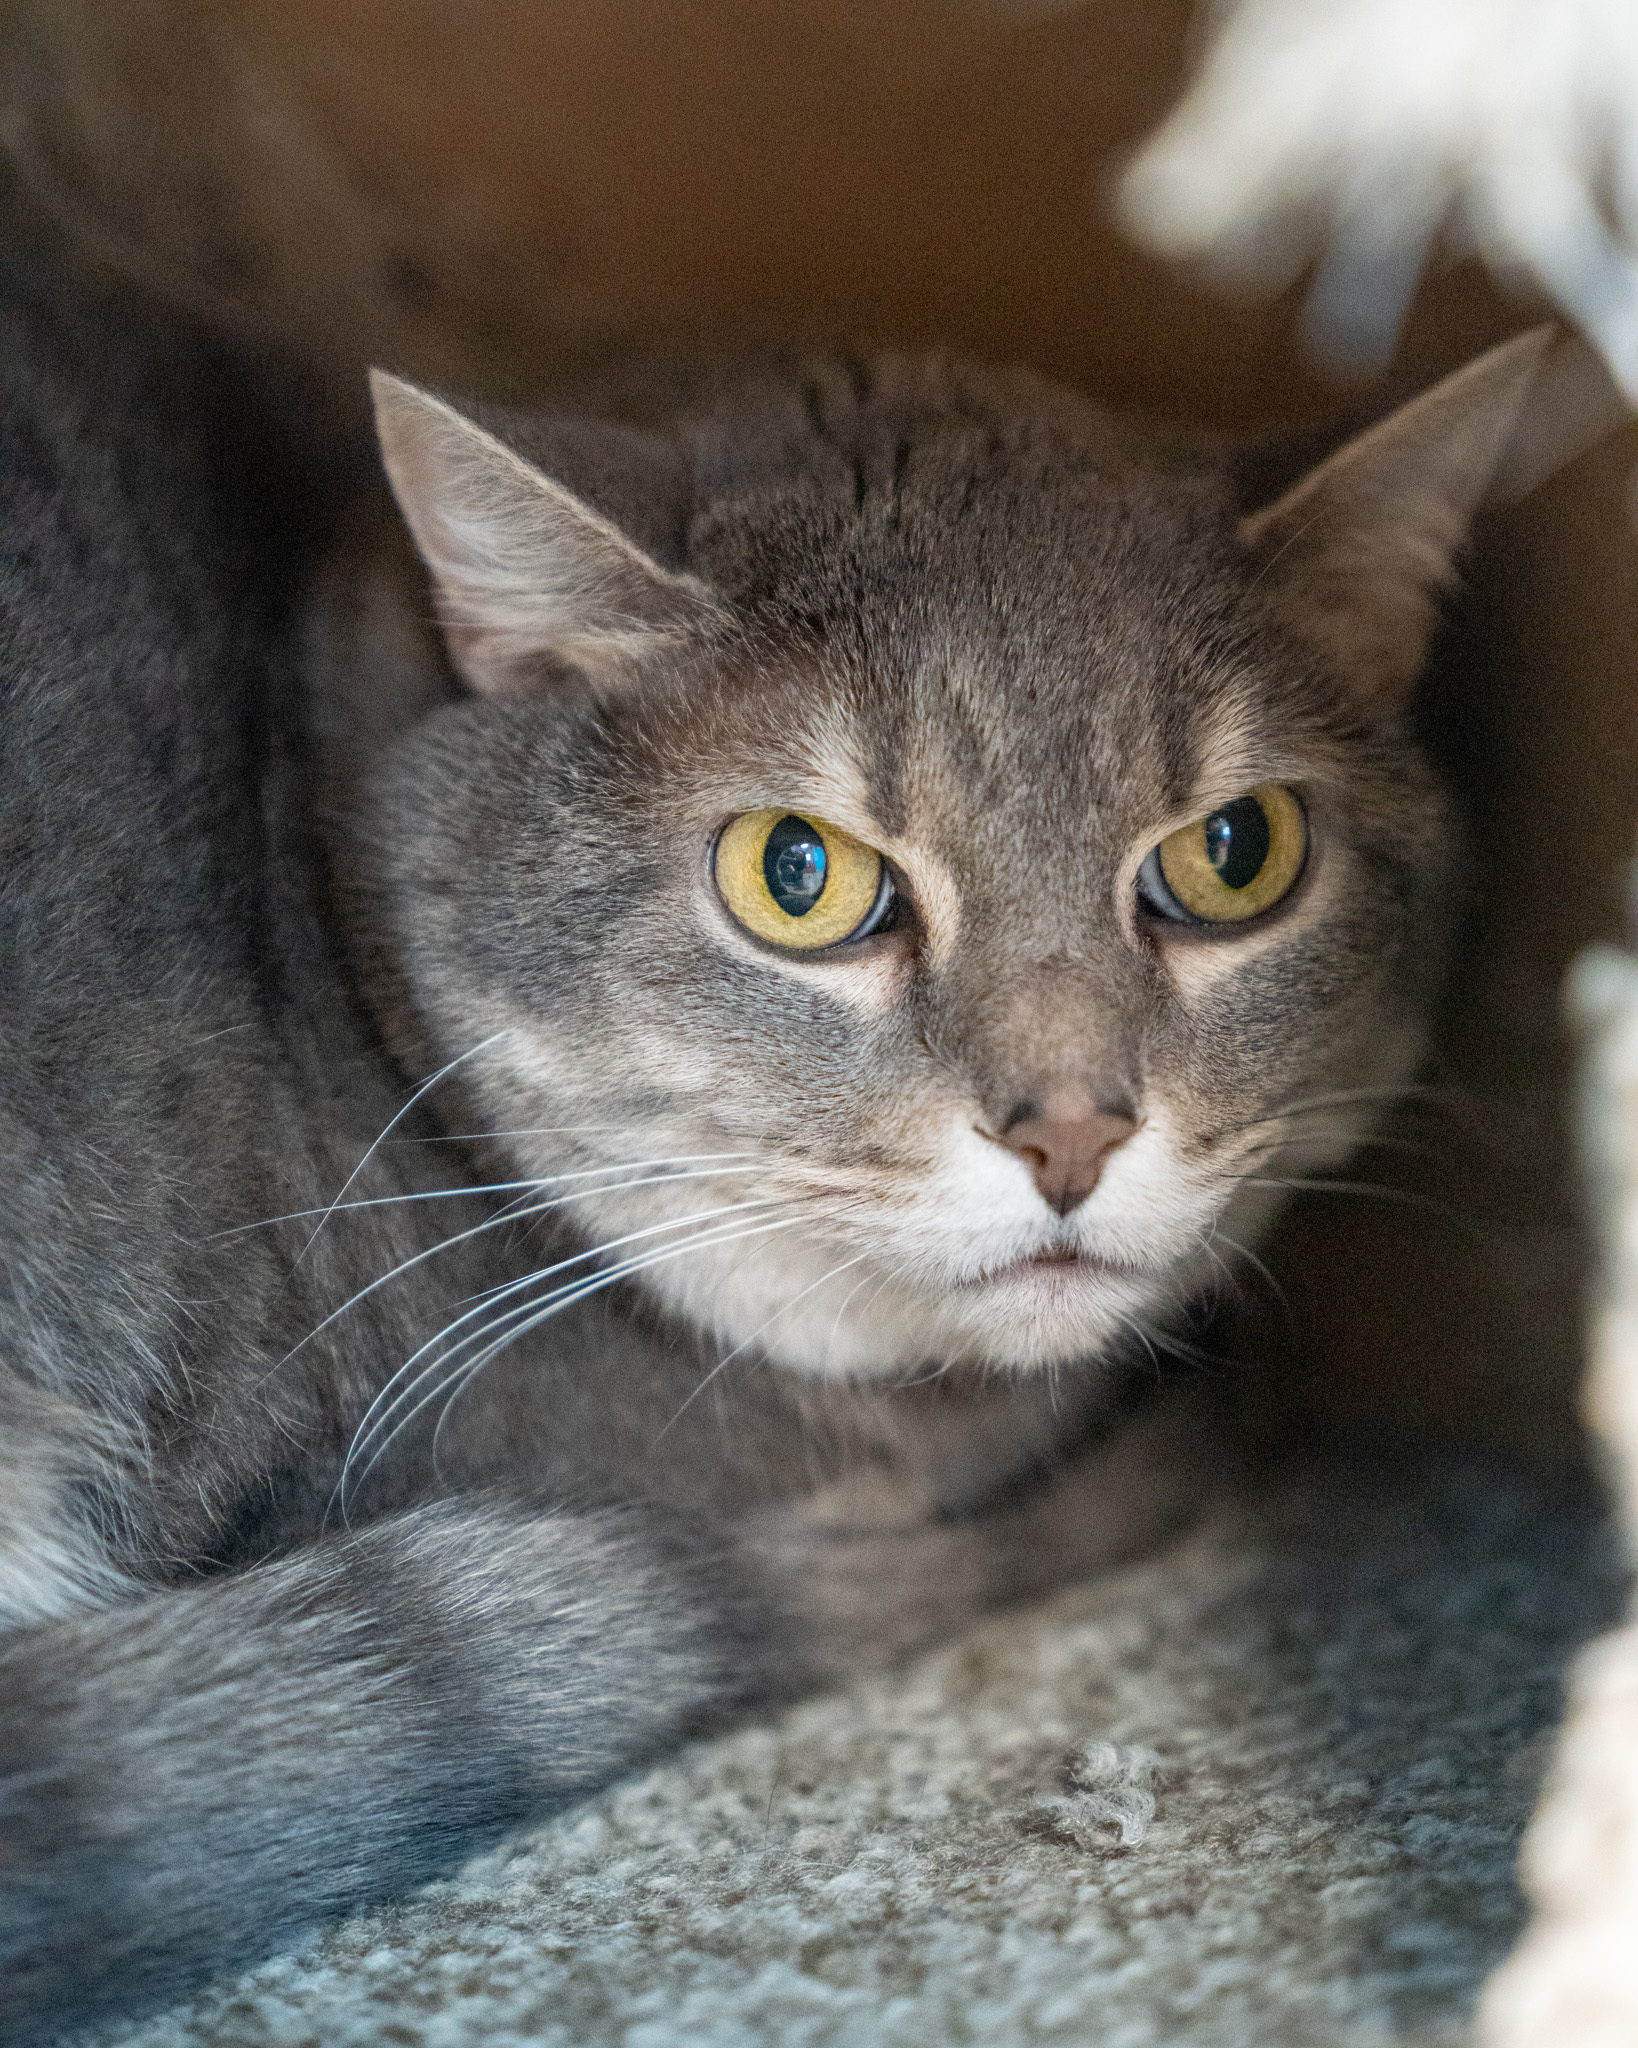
[(1050, 1310), (1029, 1313), (1024, 1317)]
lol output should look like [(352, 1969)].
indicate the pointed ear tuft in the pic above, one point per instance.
[(531, 582), (1354, 557)]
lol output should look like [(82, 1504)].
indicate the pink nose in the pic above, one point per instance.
[(1066, 1154)]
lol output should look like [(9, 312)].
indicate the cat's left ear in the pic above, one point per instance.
[(531, 582), (1354, 557)]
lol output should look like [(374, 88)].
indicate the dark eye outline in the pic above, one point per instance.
[(1156, 898), (886, 913)]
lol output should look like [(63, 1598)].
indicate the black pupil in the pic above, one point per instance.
[(1237, 840), (793, 865)]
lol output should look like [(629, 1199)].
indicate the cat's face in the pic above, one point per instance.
[(953, 890)]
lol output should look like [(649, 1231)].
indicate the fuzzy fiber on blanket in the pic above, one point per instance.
[(1263, 1788)]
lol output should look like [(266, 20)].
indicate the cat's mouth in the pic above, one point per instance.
[(1055, 1264)]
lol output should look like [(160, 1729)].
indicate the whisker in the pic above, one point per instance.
[(519, 1212), (1405, 1197), (1386, 1092), (510, 1214), (1131, 1323), (490, 1297), (425, 1088), (404, 1266), (498, 1187), (1458, 1104), (1220, 1262), (386, 1400), (520, 1208), (967, 1355), (836, 1322), (1178, 1347), (707, 1240), (375, 1202), (537, 1313), (531, 1131), (1364, 1141), (1245, 1252), (1330, 1187), (783, 1309)]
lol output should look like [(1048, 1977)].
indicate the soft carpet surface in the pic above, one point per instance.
[(1263, 1788)]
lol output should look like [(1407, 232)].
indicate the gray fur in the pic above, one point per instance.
[(280, 1645)]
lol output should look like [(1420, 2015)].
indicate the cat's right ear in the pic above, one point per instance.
[(531, 582), (1353, 558)]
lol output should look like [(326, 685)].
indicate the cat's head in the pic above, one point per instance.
[(906, 863)]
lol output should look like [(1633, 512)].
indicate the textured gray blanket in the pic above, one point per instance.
[(1262, 1789)]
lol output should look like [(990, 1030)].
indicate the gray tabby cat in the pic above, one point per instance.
[(554, 1192)]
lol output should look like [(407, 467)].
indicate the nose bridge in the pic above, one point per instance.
[(1055, 1038), (1056, 1073)]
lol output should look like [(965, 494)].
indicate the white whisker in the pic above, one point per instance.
[(531, 1315), (376, 1416), (498, 1187), (532, 1131), (1180, 1348), (492, 1296), (467, 1373), (1338, 1187), (510, 1214), (836, 1320), (425, 1088), (1219, 1261), (784, 1308), (488, 1300), (1245, 1252), (1406, 1198)]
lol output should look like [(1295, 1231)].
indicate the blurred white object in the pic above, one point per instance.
[(1573, 1981), (1355, 130)]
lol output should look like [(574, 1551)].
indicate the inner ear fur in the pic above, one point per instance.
[(531, 582), (1353, 558)]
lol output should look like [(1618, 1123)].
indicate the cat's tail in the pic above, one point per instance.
[(193, 1778)]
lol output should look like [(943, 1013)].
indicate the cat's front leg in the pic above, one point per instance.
[(872, 1566), (190, 1779)]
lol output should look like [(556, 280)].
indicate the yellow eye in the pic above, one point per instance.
[(799, 883), (1232, 863)]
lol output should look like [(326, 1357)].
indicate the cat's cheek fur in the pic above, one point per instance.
[(869, 976)]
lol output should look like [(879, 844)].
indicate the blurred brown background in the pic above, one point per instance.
[(919, 172)]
